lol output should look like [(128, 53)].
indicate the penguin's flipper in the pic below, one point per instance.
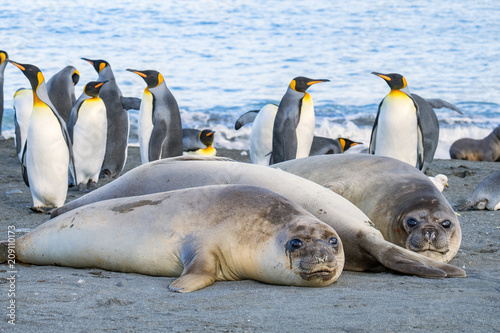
[(131, 103), (24, 170), (17, 131), (373, 136), (289, 138), (156, 140), (437, 103), (428, 131), (246, 118)]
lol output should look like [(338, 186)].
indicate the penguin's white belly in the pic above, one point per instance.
[(89, 140), (145, 125), (47, 159), (397, 130), (23, 104), (261, 138), (305, 128)]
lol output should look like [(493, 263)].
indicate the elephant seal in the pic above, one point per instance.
[(486, 195), (487, 149), (364, 246), (404, 204), (203, 235)]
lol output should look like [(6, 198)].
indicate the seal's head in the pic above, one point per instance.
[(310, 253), (429, 228)]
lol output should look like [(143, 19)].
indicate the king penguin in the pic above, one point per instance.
[(196, 142), (293, 129), (118, 121), (61, 89), (3, 62), (159, 126), (23, 107), (323, 146), (261, 137), (87, 127), (47, 153), (397, 132), (406, 126)]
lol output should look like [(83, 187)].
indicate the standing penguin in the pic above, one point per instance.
[(61, 90), (87, 127), (23, 107), (293, 129), (160, 128), (118, 121), (47, 153), (3, 62)]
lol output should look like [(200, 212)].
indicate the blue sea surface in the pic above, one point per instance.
[(223, 58)]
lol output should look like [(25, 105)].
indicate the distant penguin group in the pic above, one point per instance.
[(89, 136)]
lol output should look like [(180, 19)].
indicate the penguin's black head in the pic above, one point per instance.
[(3, 56), (301, 83), (394, 80), (75, 77), (99, 65), (207, 137), (93, 87), (32, 72), (153, 78)]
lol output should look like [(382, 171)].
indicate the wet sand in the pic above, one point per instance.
[(49, 298)]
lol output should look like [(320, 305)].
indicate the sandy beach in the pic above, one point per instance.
[(53, 298)]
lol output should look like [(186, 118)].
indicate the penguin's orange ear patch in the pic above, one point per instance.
[(101, 66), (40, 78), (2, 57), (292, 84), (160, 78)]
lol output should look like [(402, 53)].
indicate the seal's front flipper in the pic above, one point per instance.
[(191, 282), (407, 262)]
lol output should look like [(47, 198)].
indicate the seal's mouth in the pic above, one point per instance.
[(322, 274)]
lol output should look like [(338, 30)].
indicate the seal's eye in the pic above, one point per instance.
[(295, 244), (446, 224), (411, 222), (333, 241)]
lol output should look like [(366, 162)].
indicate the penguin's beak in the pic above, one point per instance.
[(88, 60), (21, 67), (141, 74), (385, 77), (317, 81)]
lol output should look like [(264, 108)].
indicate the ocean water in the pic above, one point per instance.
[(223, 58)]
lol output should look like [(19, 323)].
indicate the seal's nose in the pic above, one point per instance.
[(429, 233)]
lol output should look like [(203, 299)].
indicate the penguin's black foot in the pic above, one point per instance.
[(91, 185), (42, 210)]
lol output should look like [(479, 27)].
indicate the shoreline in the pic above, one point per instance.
[(49, 297)]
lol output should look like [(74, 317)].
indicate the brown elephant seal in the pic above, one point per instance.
[(404, 204), (364, 246), (487, 149), (203, 235), (486, 195)]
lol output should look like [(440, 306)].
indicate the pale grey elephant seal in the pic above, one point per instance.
[(487, 149), (486, 195), (404, 204), (203, 235), (364, 246)]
